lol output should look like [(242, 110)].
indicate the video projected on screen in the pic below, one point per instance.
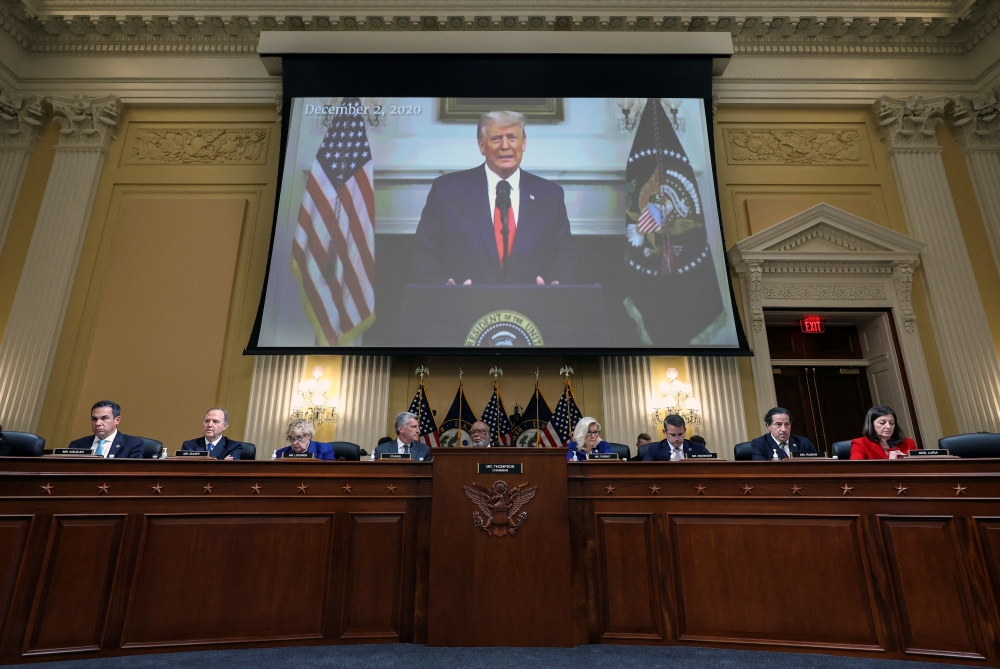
[(563, 223)]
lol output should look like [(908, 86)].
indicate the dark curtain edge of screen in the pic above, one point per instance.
[(422, 75)]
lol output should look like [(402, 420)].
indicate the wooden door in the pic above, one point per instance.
[(828, 404)]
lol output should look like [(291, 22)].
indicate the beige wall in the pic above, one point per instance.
[(774, 163), (165, 338)]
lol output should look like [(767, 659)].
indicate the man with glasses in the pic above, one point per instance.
[(300, 433), (480, 434)]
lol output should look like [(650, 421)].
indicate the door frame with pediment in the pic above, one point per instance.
[(827, 259)]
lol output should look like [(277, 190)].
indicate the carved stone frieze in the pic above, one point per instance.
[(829, 234), (909, 123), (795, 146), (86, 123), (976, 122), (756, 272), (824, 291), (196, 144), (902, 281), (21, 119)]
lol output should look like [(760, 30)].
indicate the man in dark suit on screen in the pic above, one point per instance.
[(107, 441), (496, 223), (212, 440), (779, 442), (675, 446)]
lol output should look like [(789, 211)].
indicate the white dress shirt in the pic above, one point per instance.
[(210, 445), (401, 447), (492, 179), (110, 439), (777, 445), (676, 453)]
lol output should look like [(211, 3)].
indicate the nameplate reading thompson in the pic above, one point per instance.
[(307, 456), (191, 454), (702, 456), (493, 468), (72, 451), (603, 456), (805, 455), (395, 456), (929, 451)]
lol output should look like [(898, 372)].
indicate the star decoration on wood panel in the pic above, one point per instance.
[(391, 488), (959, 489), (700, 488), (654, 489), (346, 488), (847, 489), (157, 489), (901, 490), (255, 489), (103, 489), (796, 490), (48, 487), (302, 487), (747, 489), (610, 488), (207, 488)]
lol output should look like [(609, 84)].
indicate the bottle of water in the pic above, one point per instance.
[(163, 453), (274, 454), (775, 455)]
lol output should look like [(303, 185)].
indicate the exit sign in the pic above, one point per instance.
[(812, 324)]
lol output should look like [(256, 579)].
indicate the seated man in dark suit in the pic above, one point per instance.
[(299, 437), (675, 446), (779, 443), (107, 441), (408, 432), (212, 440), (494, 224)]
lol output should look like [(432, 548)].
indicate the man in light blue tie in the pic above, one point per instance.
[(107, 441)]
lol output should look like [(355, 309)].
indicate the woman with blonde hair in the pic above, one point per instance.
[(586, 440), (300, 435)]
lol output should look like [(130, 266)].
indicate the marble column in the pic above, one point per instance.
[(20, 124), (626, 384), (275, 382), (957, 313), (715, 381), (36, 316), (976, 123), (364, 399)]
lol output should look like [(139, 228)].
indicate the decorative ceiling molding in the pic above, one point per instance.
[(888, 28)]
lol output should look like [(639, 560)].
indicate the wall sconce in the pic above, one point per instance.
[(673, 106), (631, 109), (676, 399), (312, 403)]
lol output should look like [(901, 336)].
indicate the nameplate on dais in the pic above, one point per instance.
[(702, 456), (929, 451), (395, 456), (603, 456), (305, 456), (191, 454), (495, 468), (805, 455), (72, 451)]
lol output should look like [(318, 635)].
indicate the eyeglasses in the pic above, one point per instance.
[(297, 439), (592, 432), (477, 431)]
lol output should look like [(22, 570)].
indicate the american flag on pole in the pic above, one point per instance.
[(420, 408), (495, 415), (564, 419), (333, 255)]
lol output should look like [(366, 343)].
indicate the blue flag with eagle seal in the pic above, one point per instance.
[(673, 296)]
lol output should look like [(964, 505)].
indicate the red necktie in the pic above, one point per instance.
[(511, 232)]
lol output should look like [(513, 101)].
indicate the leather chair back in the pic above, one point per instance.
[(973, 445), (151, 448), (743, 451), (841, 450), (622, 450), (641, 451), (22, 445), (249, 451), (346, 450)]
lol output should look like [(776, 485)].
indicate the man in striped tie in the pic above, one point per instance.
[(496, 223)]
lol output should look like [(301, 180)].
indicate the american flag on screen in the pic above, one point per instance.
[(564, 419), (333, 256), (420, 408), (495, 415)]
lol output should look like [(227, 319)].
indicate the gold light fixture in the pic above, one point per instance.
[(312, 403), (676, 399)]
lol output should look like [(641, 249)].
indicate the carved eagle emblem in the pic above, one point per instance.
[(499, 510)]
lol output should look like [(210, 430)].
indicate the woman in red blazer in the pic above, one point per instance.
[(882, 440)]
